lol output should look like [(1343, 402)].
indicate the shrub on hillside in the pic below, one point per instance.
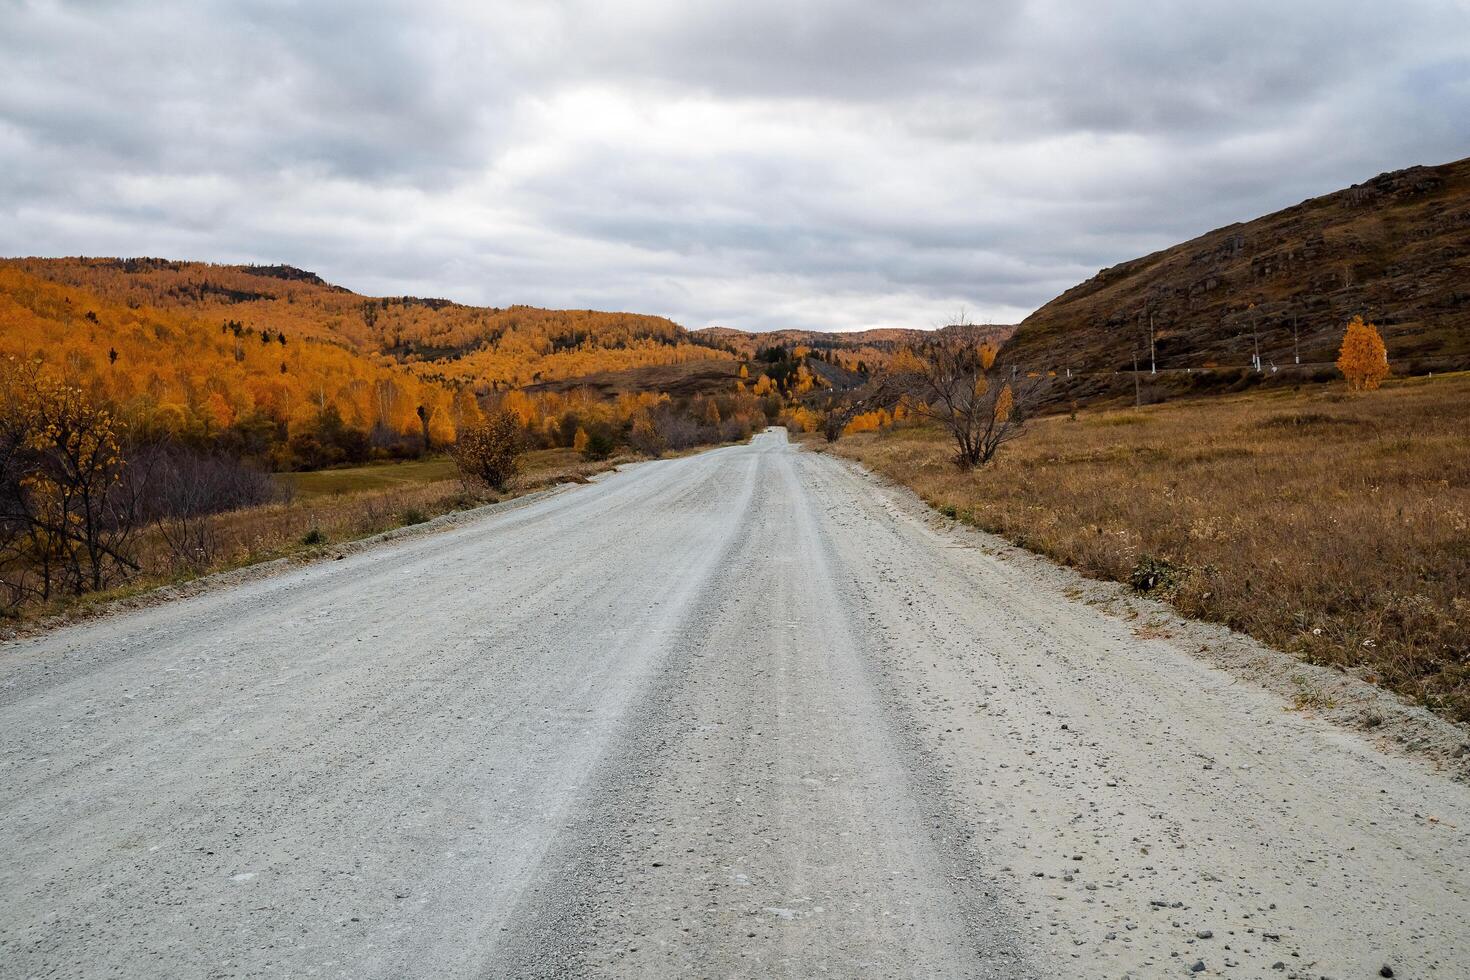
[(677, 431), (645, 437), (735, 430), (490, 453), (598, 445)]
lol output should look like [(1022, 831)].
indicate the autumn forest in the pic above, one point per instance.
[(273, 363)]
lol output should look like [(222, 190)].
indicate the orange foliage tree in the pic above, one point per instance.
[(1363, 359), (66, 517)]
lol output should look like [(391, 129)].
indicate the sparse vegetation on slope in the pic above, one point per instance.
[(1330, 524), (1392, 249)]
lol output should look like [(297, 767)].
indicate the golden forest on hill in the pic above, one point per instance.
[(274, 363)]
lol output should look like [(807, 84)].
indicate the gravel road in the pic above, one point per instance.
[(746, 713)]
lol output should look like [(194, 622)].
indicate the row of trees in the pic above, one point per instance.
[(489, 453)]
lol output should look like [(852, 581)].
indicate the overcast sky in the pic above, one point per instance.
[(750, 163)]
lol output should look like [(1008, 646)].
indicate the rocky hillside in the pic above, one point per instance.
[(1395, 249)]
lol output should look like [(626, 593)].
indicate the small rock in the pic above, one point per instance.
[(1199, 967), (1204, 934), (1385, 971)]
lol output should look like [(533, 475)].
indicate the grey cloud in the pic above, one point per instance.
[(835, 163)]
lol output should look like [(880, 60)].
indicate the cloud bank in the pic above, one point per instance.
[(761, 164)]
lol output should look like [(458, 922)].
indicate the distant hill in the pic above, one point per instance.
[(748, 343), (485, 347), (867, 348), (274, 363), (1395, 249), (684, 380)]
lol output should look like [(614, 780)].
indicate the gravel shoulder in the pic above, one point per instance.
[(746, 713)]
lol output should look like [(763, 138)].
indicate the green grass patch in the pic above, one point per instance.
[(374, 476)]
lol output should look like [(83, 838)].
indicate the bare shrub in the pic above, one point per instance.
[(678, 432), (949, 380), (489, 453), (183, 491), (734, 430), (646, 437)]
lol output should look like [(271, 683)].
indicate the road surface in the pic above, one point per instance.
[(746, 713)]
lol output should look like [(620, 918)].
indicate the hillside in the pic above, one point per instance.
[(748, 343), (1395, 249), (847, 350), (207, 379), (273, 363), (438, 339), (684, 380)]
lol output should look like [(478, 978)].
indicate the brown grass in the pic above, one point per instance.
[(1331, 525)]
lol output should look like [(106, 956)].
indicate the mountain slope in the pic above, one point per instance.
[(867, 347), (205, 378), (275, 364), (439, 339), (1395, 249)]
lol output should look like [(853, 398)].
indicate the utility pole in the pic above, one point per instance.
[(1153, 363), (1137, 389), (1255, 339)]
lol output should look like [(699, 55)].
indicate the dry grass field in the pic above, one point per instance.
[(1332, 525)]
